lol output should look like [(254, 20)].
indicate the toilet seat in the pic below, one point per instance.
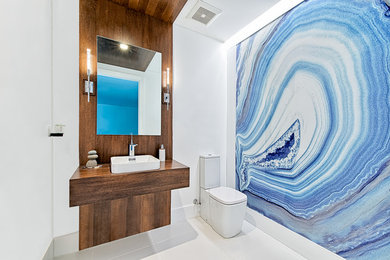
[(227, 196)]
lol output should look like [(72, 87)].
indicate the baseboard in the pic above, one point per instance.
[(49, 255), (62, 245), (66, 244), (69, 243), (183, 213), (289, 238)]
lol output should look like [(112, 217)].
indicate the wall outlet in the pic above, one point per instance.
[(56, 130)]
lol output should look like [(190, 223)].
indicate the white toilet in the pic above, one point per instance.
[(222, 207)]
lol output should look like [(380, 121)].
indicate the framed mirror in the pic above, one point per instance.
[(128, 89)]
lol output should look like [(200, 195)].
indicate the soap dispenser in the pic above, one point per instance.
[(161, 153)]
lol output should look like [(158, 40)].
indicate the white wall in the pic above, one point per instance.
[(199, 105), (65, 110), (231, 124), (25, 114)]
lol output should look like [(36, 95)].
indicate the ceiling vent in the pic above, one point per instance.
[(204, 13)]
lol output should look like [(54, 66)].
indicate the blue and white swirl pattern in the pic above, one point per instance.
[(312, 132)]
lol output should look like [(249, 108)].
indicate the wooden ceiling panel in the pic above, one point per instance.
[(133, 4), (142, 5), (121, 2), (151, 7), (166, 10)]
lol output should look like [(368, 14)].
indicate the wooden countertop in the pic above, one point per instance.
[(88, 186), (105, 171)]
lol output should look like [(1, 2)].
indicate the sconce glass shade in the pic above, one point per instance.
[(164, 79), (167, 76), (89, 65)]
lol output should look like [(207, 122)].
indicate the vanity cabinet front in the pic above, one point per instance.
[(114, 206)]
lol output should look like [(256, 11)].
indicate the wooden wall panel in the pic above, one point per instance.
[(111, 20), (114, 219), (133, 225), (86, 223), (118, 215)]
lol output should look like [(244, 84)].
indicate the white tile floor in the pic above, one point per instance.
[(190, 239)]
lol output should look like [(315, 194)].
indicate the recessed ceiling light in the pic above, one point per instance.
[(124, 46), (203, 15)]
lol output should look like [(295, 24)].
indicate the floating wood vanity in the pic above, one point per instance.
[(113, 206)]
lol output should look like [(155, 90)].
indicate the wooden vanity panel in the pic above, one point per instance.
[(86, 223), (133, 225), (114, 206), (110, 220), (118, 215), (101, 222), (94, 185), (162, 209)]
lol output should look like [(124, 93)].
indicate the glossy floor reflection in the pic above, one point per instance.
[(190, 239)]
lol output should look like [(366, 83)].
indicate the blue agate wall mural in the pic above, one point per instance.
[(312, 124)]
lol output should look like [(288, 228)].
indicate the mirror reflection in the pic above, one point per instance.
[(128, 89)]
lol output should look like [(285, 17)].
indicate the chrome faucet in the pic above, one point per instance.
[(132, 149)]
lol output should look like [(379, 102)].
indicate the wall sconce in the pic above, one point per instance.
[(166, 85), (88, 87)]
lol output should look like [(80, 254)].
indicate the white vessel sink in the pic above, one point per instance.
[(122, 164)]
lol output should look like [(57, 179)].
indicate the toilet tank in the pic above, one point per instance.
[(209, 171)]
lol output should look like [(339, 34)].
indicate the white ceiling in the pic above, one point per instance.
[(236, 14)]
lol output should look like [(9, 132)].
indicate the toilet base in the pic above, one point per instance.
[(226, 220)]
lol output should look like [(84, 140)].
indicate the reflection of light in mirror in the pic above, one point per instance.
[(124, 46)]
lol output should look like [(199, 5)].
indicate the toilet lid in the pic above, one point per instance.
[(227, 195)]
